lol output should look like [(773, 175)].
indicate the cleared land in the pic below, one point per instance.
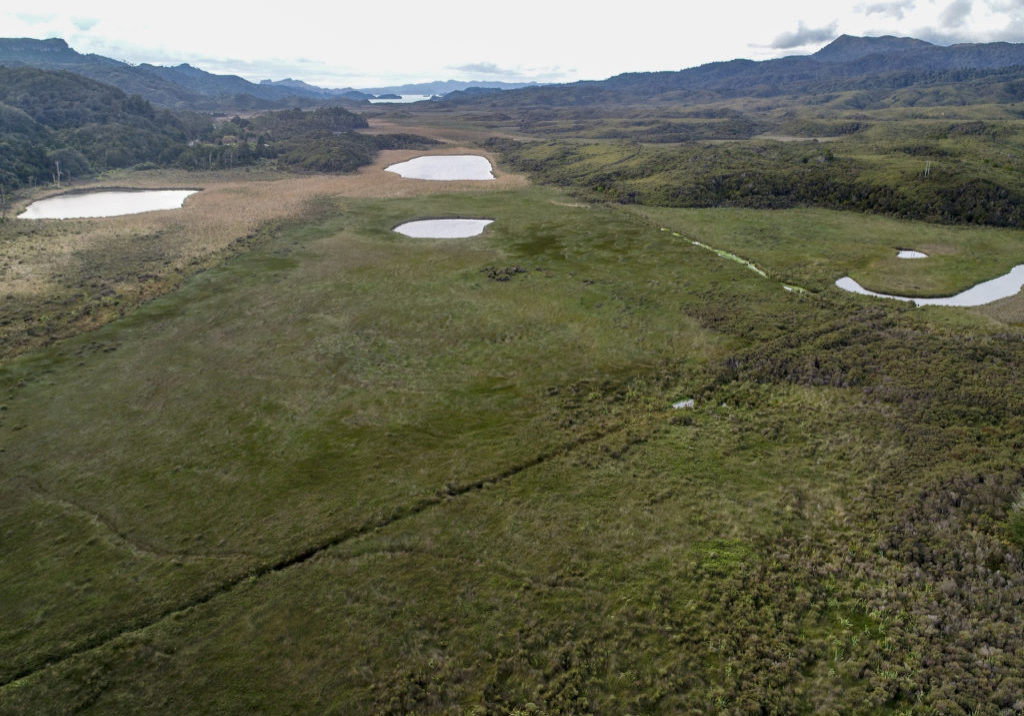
[(341, 470)]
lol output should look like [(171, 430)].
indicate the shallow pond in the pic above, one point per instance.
[(986, 292), (95, 204), (443, 228), (450, 167)]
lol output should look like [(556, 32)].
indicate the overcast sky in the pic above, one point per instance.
[(369, 44)]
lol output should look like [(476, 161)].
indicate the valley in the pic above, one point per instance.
[(265, 453)]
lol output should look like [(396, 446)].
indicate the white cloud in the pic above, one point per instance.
[(84, 23), (30, 18), (483, 68), (956, 13), (895, 10), (804, 36)]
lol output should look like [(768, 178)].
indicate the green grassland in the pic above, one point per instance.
[(959, 169), (316, 466), (351, 472), (814, 247)]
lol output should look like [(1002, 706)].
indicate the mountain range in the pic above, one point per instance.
[(186, 87), (847, 63)]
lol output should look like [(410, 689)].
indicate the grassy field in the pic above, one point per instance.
[(814, 247), (60, 277), (342, 471)]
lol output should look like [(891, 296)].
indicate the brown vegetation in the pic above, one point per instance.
[(60, 277)]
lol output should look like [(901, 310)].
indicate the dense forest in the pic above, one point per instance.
[(54, 122)]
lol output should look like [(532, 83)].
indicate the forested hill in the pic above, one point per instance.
[(848, 63), (59, 126), (86, 126), (180, 87)]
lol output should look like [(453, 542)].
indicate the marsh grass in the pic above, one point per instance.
[(814, 247), (329, 377), (62, 277), (348, 471)]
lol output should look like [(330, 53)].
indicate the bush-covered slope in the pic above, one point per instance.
[(60, 121), (50, 117)]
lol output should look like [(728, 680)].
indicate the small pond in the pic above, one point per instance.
[(449, 167), (95, 204), (910, 254), (986, 292), (443, 228)]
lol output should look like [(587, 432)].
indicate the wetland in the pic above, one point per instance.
[(96, 204), (445, 168), (264, 454)]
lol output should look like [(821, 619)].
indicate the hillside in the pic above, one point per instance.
[(182, 87), (186, 87), (322, 92), (86, 126), (883, 125), (848, 63), (52, 120)]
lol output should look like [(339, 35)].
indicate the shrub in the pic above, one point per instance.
[(1016, 521)]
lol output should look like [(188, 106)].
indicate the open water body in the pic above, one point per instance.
[(443, 228), (449, 167), (986, 292), (97, 204)]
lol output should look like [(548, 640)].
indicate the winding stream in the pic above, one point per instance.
[(978, 295)]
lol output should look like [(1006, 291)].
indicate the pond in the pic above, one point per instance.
[(443, 228), (986, 292), (93, 204), (449, 167)]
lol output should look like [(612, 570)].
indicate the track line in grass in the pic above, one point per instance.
[(119, 539), (400, 513)]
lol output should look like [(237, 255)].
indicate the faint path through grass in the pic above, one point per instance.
[(441, 497), (738, 259), (116, 537)]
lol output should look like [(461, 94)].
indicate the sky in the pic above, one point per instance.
[(375, 44)]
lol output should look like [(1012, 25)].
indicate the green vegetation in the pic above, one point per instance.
[(331, 469), (940, 171), (367, 474), (56, 127), (814, 247), (179, 87), (319, 140)]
